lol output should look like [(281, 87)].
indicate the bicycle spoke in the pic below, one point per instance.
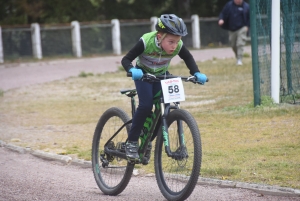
[(112, 173), (177, 172)]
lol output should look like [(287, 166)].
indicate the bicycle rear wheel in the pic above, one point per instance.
[(177, 177), (112, 174)]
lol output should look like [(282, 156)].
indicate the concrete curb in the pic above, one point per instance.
[(51, 156), (258, 188), (47, 155)]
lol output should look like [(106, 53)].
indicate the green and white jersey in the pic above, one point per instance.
[(154, 60)]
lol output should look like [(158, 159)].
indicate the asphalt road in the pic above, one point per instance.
[(17, 75), (26, 177)]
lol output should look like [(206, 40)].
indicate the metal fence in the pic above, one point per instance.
[(56, 41), (17, 43), (96, 38), (283, 86)]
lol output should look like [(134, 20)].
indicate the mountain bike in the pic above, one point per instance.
[(177, 153)]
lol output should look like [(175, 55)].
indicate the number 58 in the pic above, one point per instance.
[(173, 89)]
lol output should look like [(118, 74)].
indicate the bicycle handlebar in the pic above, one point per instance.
[(156, 78)]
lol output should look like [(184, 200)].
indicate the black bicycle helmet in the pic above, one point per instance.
[(170, 23)]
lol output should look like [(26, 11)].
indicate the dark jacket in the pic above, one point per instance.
[(228, 14)]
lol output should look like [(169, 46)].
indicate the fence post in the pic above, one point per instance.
[(153, 23), (275, 51), (36, 40), (196, 31), (254, 52), (76, 39), (116, 36), (1, 47), (289, 30)]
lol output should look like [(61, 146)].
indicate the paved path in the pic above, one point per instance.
[(25, 177), (23, 74)]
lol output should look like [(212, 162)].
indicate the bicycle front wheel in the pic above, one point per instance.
[(177, 176), (111, 173)]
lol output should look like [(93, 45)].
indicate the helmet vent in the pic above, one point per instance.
[(172, 23)]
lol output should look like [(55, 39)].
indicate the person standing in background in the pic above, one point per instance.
[(235, 17)]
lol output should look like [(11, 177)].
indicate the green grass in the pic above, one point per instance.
[(239, 142), (84, 74)]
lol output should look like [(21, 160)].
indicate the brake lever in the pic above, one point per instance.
[(150, 78), (191, 79), (194, 80)]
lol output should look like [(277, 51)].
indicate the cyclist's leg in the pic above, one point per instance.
[(145, 95)]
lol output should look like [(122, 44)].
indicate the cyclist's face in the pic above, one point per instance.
[(169, 43)]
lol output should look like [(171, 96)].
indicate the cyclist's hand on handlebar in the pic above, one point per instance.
[(201, 77), (136, 73)]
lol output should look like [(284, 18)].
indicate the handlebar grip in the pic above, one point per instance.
[(129, 74)]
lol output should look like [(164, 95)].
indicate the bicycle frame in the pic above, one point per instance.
[(150, 126)]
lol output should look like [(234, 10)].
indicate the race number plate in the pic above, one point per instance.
[(173, 90)]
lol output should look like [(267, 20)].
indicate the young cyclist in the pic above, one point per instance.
[(154, 52)]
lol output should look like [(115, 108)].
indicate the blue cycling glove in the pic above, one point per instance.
[(201, 77), (136, 73)]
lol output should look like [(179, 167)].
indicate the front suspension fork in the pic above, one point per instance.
[(180, 153)]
